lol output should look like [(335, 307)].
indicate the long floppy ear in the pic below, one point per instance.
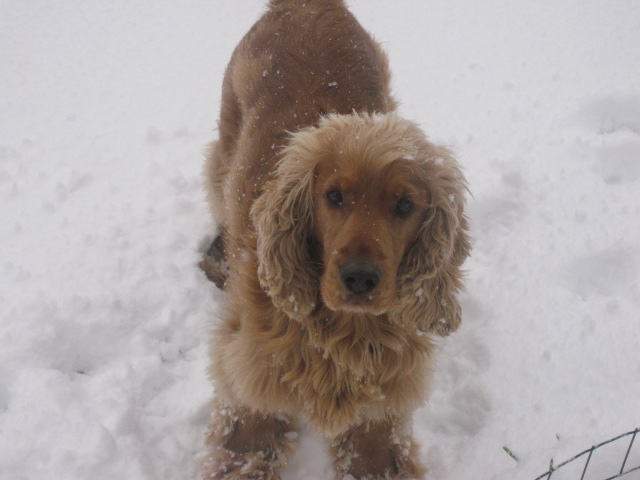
[(430, 275), (283, 219)]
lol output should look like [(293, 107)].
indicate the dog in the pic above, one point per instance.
[(343, 229)]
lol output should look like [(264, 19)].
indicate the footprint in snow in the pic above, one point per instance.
[(616, 121)]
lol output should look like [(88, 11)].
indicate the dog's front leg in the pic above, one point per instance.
[(377, 450), (246, 445)]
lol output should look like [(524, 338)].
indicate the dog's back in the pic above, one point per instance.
[(305, 57), (301, 60)]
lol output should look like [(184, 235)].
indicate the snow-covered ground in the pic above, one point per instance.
[(105, 109)]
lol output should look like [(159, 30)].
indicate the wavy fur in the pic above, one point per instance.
[(429, 276), (306, 109)]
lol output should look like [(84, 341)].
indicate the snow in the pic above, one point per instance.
[(105, 111)]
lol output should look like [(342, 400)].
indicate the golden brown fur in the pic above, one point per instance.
[(306, 111)]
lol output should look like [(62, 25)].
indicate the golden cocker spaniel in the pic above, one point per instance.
[(344, 232)]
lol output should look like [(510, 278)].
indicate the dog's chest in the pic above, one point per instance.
[(332, 394), (337, 383), (335, 371)]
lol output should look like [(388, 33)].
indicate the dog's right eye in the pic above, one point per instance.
[(334, 197)]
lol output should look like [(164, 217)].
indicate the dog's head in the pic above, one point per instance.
[(365, 215)]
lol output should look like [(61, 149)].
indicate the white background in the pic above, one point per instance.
[(105, 111)]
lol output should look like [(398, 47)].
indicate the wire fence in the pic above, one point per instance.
[(590, 455)]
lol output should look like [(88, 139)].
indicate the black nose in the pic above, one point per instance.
[(360, 277)]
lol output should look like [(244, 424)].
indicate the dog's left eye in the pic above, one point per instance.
[(403, 207), (334, 197)]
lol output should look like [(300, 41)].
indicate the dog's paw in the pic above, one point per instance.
[(214, 263), (377, 451), (228, 465)]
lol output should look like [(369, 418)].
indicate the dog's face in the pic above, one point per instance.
[(366, 217)]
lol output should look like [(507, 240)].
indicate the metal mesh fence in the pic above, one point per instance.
[(587, 465)]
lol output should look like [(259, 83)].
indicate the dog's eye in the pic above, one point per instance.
[(403, 207), (334, 197)]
